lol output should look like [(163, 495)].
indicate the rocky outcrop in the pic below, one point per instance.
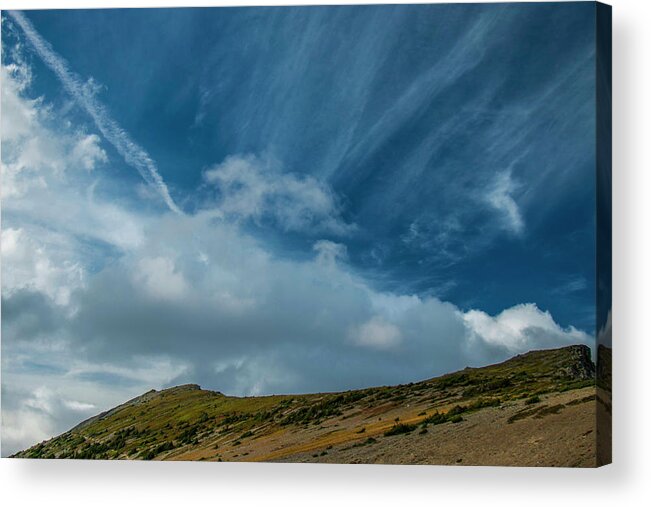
[(579, 365)]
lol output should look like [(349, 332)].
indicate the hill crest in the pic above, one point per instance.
[(189, 423)]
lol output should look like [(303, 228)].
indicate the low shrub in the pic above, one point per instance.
[(399, 429)]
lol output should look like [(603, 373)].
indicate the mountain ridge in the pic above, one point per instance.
[(370, 424)]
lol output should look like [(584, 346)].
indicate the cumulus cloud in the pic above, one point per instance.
[(522, 328), (103, 300), (18, 114), (321, 324), (328, 252), (245, 311), (160, 278), (24, 427), (377, 333), (34, 415), (22, 150), (27, 264), (87, 152), (253, 188), (46, 177)]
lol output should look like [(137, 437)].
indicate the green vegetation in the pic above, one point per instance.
[(399, 429), (453, 415), (330, 406), (170, 423), (368, 441)]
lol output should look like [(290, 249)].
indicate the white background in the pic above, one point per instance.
[(626, 482)]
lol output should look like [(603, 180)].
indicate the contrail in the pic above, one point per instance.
[(132, 153)]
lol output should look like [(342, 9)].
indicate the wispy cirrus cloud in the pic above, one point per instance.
[(103, 301), (253, 188), (84, 95), (501, 198)]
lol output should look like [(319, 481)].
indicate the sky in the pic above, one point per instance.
[(287, 200)]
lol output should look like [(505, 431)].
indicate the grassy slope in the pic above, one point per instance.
[(186, 422)]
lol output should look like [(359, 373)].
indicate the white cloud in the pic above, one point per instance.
[(37, 405), (213, 305), (21, 149), (377, 333), (26, 264), (501, 198), (160, 278), (33, 415), (84, 95), (78, 406), (23, 428), (521, 328), (225, 296), (17, 115), (45, 176), (87, 152), (51, 214), (328, 252), (252, 188)]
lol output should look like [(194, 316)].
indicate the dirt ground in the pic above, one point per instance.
[(559, 431), (563, 436)]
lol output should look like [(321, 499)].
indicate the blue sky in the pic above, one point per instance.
[(289, 199)]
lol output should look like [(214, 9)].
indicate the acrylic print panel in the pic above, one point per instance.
[(353, 234)]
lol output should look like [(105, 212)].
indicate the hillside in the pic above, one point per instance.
[(536, 409)]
